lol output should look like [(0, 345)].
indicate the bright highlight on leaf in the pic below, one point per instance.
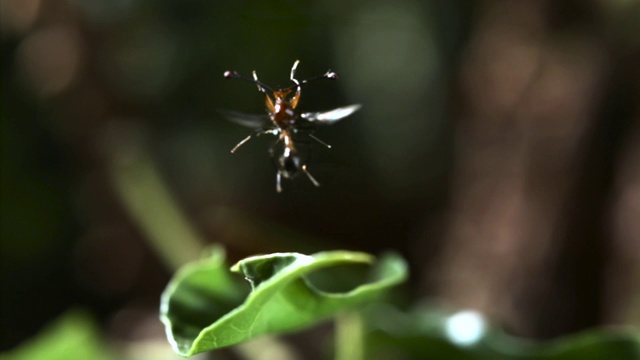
[(204, 308), (466, 327)]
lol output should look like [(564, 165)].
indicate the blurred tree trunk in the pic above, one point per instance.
[(527, 239), (622, 303)]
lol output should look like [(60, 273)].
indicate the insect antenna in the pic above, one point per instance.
[(229, 74)]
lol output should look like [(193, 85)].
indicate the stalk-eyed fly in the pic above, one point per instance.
[(284, 120)]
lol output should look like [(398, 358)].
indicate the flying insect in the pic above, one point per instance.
[(283, 120)]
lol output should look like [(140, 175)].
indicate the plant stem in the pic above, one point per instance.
[(150, 204), (349, 336)]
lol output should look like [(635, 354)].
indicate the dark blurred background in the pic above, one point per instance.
[(498, 149)]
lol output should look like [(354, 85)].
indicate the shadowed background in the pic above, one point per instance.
[(498, 149)]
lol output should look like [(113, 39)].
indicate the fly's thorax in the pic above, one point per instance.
[(284, 115)]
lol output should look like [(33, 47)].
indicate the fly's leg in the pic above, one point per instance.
[(293, 72), (260, 88), (241, 143), (304, 169), (294, 68), (257, 133), (278, 182), (296, 97), (320, 141), (313, 180)]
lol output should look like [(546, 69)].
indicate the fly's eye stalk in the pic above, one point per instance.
[(232, 74), (331, 75)]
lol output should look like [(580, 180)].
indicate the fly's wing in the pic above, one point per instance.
[(252, 121), (331, 116)]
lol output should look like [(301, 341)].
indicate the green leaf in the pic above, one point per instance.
[(594, 344), (426, 332), (204, 309), (74, 336)]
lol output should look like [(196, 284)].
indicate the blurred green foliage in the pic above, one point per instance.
[(74, 336), (204, 310)]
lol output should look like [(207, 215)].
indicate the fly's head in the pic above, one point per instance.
[(284, 96)]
